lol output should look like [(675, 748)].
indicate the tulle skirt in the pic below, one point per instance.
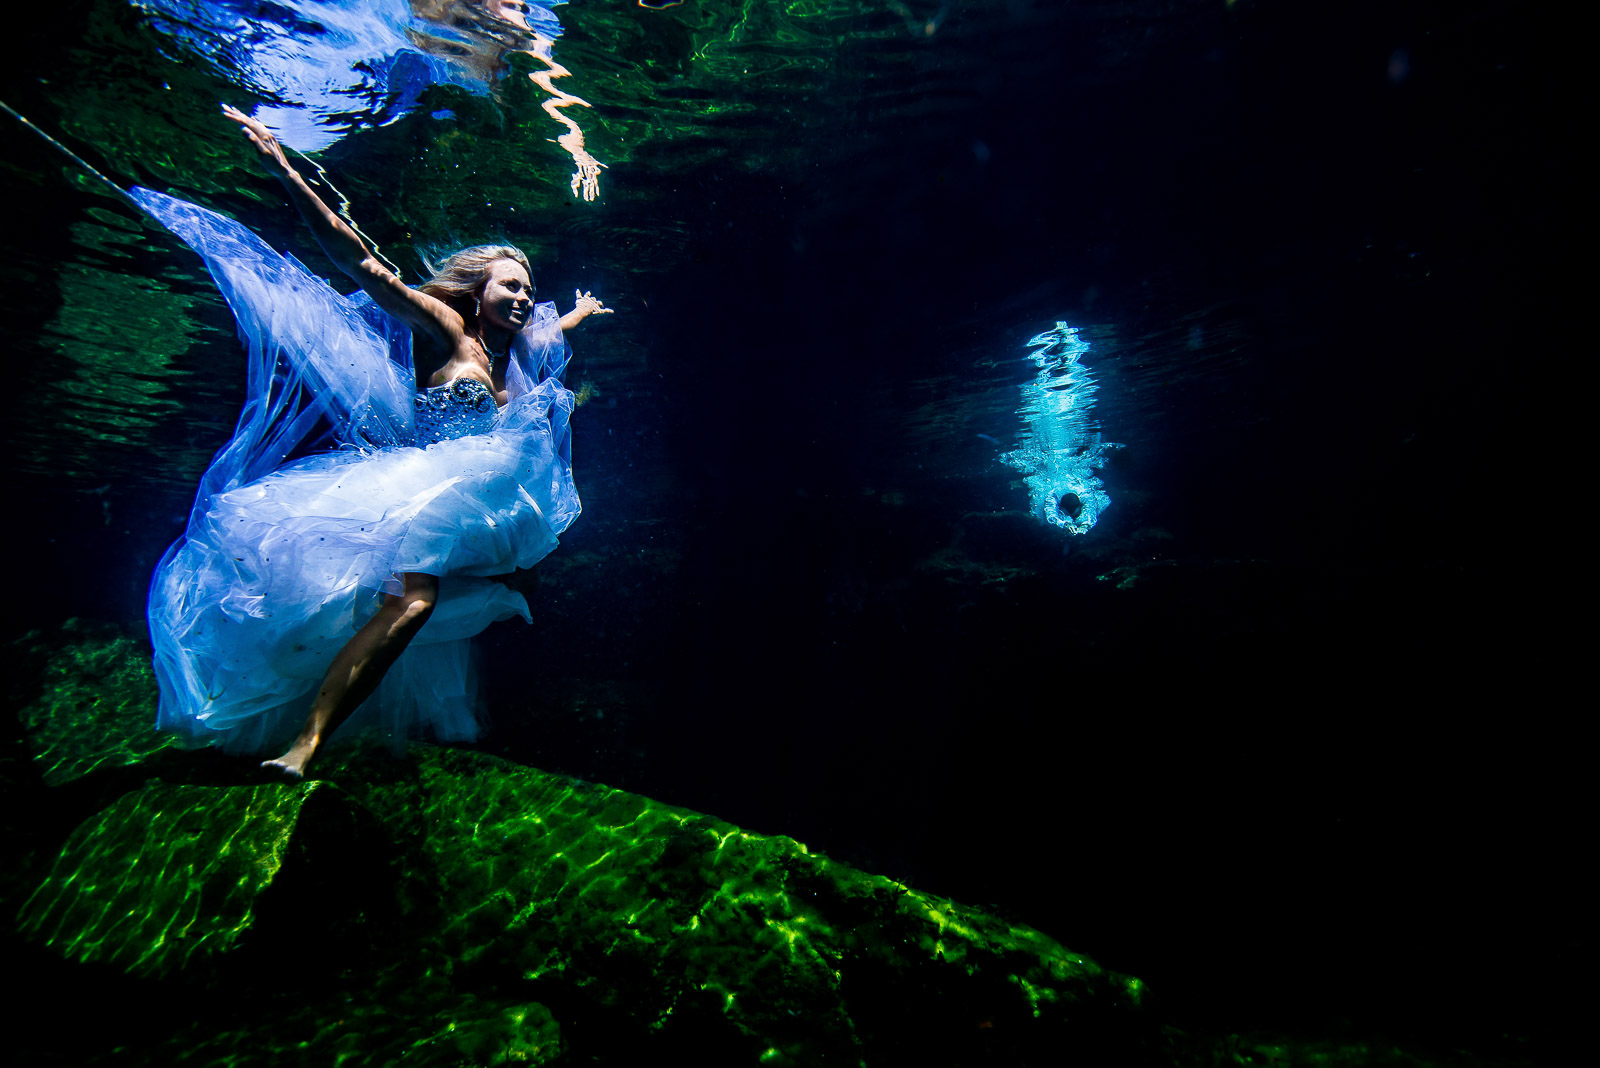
[(284, 560), (249, 610)]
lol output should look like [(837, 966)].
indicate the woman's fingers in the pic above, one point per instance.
[(252, 127), (229, 111), (267, 146), (584, 299)]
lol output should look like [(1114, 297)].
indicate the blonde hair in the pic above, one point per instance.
[(460, 276)]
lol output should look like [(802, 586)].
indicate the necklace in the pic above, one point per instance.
[(488, 353)]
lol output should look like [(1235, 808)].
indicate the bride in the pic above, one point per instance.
[(320, 573)]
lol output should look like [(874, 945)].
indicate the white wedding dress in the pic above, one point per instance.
[(339, 478)]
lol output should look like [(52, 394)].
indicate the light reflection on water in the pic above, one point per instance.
[(126, 334), (681, 98)]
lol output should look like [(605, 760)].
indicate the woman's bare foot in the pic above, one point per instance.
[(293, 763)]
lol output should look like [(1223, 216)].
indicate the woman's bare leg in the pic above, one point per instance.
[(360, 666)]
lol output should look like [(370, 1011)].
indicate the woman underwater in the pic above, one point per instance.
[(325, 575)]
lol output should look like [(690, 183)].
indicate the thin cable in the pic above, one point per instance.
[(123, 194), (73, 156), (344, 212)]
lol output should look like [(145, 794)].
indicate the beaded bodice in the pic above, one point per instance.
[(454, 410)]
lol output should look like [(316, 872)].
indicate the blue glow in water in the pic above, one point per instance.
[(1061, 448)]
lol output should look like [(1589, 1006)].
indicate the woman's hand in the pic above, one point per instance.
[(589, 305), (585, 307), (272, 156)]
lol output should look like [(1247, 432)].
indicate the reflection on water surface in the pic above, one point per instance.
[(460, 147)]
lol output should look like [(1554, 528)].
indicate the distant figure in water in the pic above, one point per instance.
[(325, 575)]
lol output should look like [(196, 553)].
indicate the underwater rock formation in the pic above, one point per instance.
[(168, 877), (680, 920), (451, 908), (513, 903)]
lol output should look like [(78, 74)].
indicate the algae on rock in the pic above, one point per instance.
[(165, 875), (673, 920), (476, 903), (96, 708)]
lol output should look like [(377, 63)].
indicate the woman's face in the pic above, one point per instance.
[(507, 298)]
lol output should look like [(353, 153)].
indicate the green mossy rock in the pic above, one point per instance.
[(96, 705), (684, 927), (474, 903), (451, 908), (172, 877)]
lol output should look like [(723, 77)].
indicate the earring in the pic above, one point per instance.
[(477, 308)]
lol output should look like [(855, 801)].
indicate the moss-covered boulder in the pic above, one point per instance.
[(173, 876), (492, 913), (681, 926)]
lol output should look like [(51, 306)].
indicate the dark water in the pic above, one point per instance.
[(1280, 735)]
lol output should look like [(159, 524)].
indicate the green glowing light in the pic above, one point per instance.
[(95, 709), (165, 877), (658, 917)]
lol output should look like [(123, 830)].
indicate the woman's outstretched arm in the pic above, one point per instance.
[(430, 318)]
